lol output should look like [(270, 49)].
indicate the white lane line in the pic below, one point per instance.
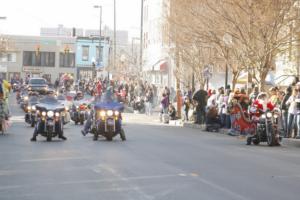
[(119, 179), (54, 159), (288, 176), (17, 118), (123, 179), (234, 195)]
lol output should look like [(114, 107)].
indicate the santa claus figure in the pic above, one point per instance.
[(261, 105)]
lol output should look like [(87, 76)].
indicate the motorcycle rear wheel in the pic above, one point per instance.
[(109, 136), (122, 135), (271, 139), (49, 137)]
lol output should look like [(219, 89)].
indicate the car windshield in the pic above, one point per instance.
[(61, 97), (37, 81)]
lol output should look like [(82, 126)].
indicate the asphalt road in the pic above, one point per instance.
[(156, 162)]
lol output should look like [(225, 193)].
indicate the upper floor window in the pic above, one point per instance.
[(8, 57), (85, 53), (97, 54), (44, 59), (67, 59)]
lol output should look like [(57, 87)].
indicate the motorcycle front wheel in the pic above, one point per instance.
[(122, 134), (271, 138)]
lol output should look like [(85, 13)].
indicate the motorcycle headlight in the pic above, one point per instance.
[(110, 113), (57, 114), (28, 107), (269, 115), (102, 113), (77, 107), (43, 113), (263, 116), (67, 109), (26, 98), (117, 113), (50, 113), (276, 116), (33, 108)]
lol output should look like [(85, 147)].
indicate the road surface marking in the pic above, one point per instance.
[(117, 179), (54, 159), (222, 189), (288, 176)]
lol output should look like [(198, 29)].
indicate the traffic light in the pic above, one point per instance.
[(37, 50), (67, 50)]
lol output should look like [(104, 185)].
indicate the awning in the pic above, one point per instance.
[(161, 65)]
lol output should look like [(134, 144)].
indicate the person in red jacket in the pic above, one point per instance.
[(99, 88), (261, 104)]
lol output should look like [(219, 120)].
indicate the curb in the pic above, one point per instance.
[(291, 142)]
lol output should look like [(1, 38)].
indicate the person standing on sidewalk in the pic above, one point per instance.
[(149, 101), (200, 99), (292, 112)]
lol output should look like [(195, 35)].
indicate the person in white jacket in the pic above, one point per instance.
[(292, 111)]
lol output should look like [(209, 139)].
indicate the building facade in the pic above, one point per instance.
[(47, 57), (157, 62), (87, 57), (61, 31)]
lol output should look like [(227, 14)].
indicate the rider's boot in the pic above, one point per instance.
[(62, 137)]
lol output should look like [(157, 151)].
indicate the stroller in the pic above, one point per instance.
[(213, 122)]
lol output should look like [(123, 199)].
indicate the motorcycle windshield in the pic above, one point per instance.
[(108, 101), (33, 100), (50, 103)]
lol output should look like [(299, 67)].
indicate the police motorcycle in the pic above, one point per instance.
[(267, 129), (64, 102), (30, 115), (79, 109), (107, 118), (49, 119), (24, 97)]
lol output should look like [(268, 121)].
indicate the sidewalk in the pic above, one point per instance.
[(285, 141), (146, 119), (202, 127)]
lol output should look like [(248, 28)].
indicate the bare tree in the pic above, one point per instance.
[(259, 30)]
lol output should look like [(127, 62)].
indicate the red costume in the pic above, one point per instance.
[(99, 88), (258, 104)]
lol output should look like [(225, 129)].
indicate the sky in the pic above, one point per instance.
[(26, 17)]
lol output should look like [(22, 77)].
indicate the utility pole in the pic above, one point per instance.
[(100, 36), (141, 36), (115, 36)]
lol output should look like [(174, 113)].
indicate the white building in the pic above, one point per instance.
[(37, 56), (61, 31), (157, 62), (122, 37)]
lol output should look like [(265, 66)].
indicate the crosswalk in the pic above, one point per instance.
[(19, 118)]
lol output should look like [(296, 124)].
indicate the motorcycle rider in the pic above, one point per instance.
[(50, 97), (107, 97), (79, 96), (262, 104)]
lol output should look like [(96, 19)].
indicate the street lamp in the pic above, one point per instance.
[(100, 36), (227, 39)]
